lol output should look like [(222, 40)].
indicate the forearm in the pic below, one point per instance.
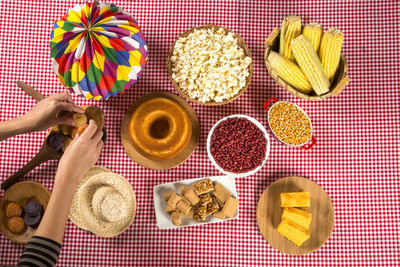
[(55, 218), (13, 127), (44, 248)]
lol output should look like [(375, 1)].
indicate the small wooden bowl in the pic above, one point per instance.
[(135, 154), (269, 215), (21, 193), (241, 43), (339, 83)]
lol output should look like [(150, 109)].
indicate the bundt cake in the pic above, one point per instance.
[(160, 128)]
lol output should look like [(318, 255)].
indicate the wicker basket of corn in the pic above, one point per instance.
[(306, 61)]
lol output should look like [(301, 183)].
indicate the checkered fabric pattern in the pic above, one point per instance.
[(356, 158)]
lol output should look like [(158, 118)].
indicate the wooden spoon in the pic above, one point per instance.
[(30, 91), (45, 153)]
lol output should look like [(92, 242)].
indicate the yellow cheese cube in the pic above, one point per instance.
[(297, 199), (293, 231), (297, 215)]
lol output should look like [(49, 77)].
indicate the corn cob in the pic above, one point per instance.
[(290, 29), (313, 31), (310, 64), (329, 51), (290, 72)]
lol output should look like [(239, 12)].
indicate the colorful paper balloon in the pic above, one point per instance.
[(98, 50)]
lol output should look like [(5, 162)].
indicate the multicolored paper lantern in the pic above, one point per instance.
[(98, 50)]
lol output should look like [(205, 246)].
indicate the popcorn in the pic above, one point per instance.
[(209, 65)]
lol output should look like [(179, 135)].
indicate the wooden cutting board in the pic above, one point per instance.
[(269, 215)]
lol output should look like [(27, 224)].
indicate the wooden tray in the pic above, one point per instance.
[(339, 83), (22, 192), (241, 43), (159, 164), (269, 215)]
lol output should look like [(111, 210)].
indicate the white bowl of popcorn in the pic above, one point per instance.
[(210, 65)]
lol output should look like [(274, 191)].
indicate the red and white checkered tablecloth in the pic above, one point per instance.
[(356, 159)]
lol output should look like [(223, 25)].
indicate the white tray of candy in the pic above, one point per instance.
[(163, 217)]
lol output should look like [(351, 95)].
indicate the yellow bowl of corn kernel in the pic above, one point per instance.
[(306, 61), (210, 65), (290, 124)]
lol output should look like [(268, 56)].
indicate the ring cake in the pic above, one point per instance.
[(160, 128)]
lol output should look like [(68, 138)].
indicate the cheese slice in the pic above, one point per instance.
[(297, 215), (293, 231), (296, 199)]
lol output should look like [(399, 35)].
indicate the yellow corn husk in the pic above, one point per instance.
[(290, 72), (313, 31), (329, 51), (290, 29), (310, 64)]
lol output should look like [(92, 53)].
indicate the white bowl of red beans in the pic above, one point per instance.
[(238, 145)]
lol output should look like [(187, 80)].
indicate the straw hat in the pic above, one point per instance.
[(74, 215), (104, 203)]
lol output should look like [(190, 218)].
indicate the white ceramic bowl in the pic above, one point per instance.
[(244, 174)]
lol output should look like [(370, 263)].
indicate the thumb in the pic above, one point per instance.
[(66, 120)]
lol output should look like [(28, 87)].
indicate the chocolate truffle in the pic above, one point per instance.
[(32, 220), (33, 208), (56, 141)]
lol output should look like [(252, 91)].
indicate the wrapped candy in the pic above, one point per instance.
[(98, 50)]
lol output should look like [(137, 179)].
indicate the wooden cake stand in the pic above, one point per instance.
[(141, 159)]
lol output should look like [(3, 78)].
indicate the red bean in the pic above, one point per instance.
[(238, 145)]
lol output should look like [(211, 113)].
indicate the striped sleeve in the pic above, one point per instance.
[(40, 251)]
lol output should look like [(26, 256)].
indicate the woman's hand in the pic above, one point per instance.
[(43, 116), (80, 155), (46, 113)]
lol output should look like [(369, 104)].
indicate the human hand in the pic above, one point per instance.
[(80, 155), (46, 113)]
